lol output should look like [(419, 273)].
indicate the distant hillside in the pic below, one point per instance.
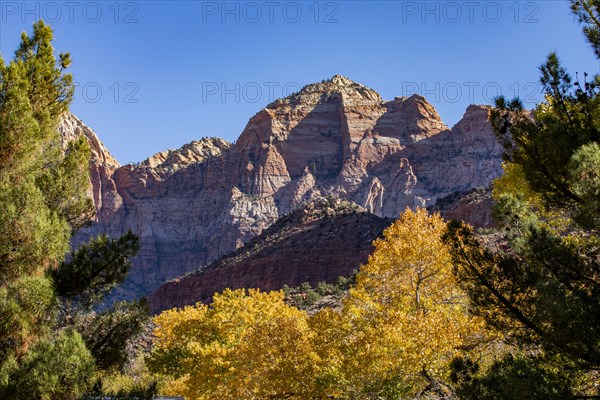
[(319, 242)]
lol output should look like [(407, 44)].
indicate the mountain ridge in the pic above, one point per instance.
[(192, 205)]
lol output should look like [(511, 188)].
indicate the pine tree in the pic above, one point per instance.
[(51, 342), (541, 286)]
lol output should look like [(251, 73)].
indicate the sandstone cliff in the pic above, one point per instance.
[(102, 187), (193, 205)]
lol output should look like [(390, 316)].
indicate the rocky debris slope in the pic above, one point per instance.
[(193, 205), (319, 242)]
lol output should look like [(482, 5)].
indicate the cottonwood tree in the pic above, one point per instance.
[(403, 321), (247, 344)]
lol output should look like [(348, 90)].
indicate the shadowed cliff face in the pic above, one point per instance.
[(192, 205)]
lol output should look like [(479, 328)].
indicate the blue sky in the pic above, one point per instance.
[(154, 75)]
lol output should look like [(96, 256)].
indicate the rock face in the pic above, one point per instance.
[(476, 210), (475, 207), (339, 235), (102, 188), (192, 205)]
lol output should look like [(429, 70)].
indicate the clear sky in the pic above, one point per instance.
[(154, 75)]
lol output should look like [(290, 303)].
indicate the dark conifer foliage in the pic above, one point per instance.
[(538, 282), (94, 269), (52, 345)]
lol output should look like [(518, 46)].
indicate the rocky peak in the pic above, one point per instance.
[(102, 166), (198, 151), (422, 107), (72, 128), (474, 119), (326, 90)]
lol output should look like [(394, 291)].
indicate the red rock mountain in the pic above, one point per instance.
[(335, 138)]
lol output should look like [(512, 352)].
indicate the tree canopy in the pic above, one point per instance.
[(398, 328)]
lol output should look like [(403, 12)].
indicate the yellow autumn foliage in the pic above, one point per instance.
[(405, 318), (397, 329), (247, 345)]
